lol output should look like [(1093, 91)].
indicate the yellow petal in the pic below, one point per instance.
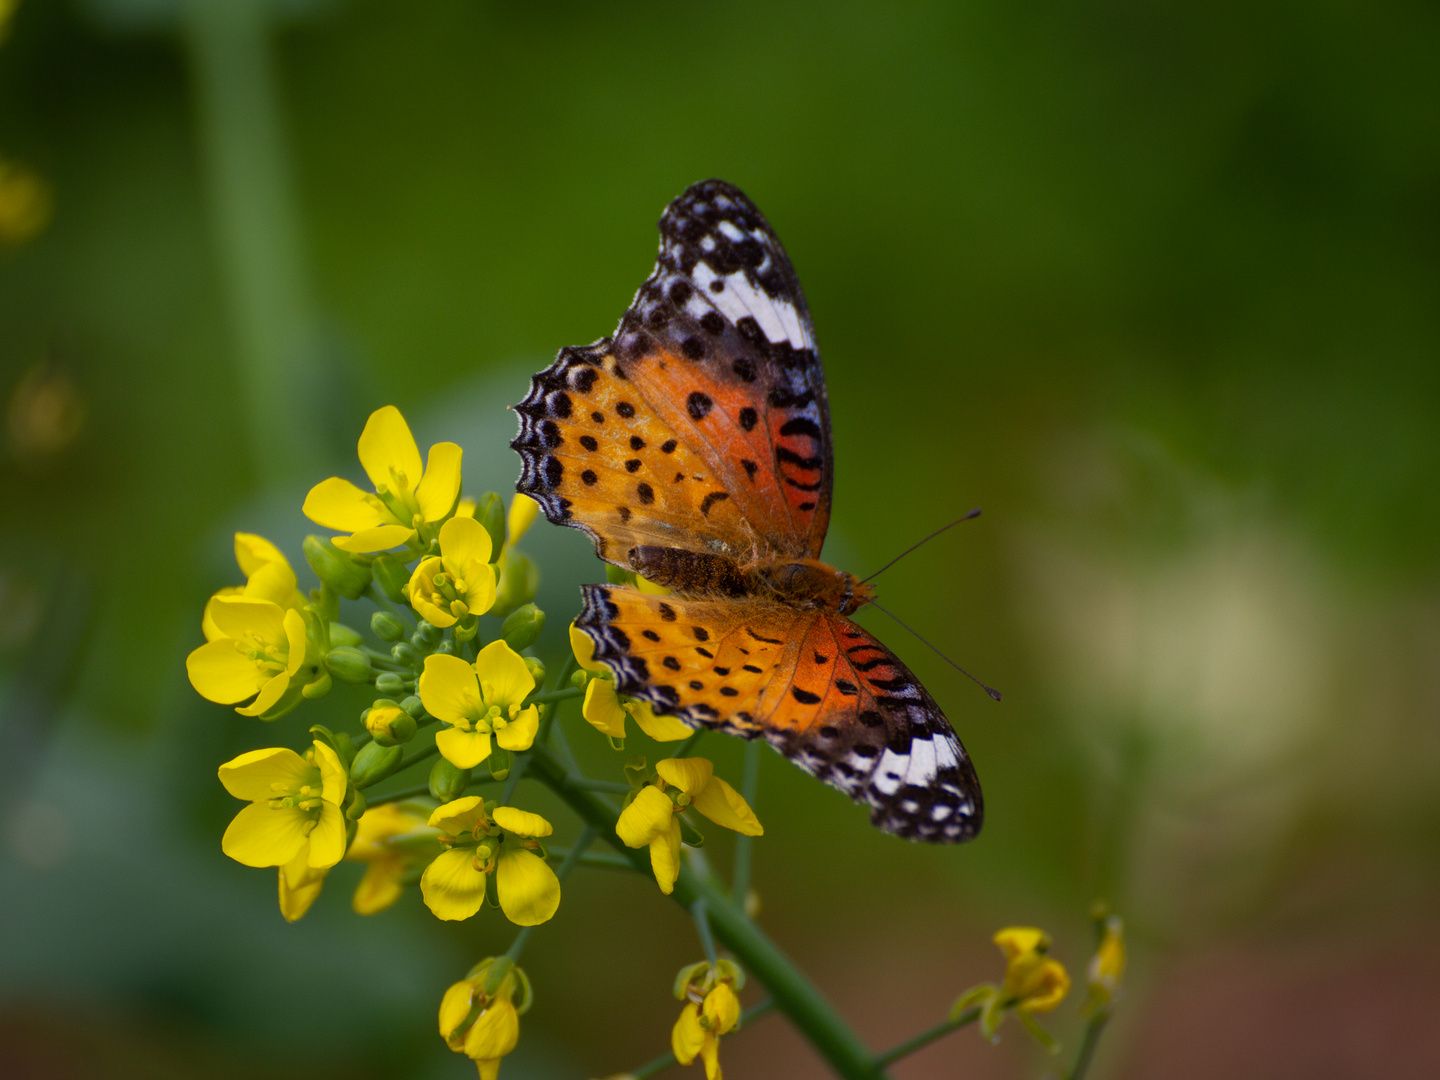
[(723, 805), (690, 775), (650, 814), (273, 581), (505, 670), (488, 1068), (300, 887), (253, 551), (529, 890), (273, 690), (207, 620), (327, 840), (687, 1036), (220, 671), (522, 822), (339, 504), (387, 446), (264, 774), (334, 780), (522, 513), (480, 588), (1016, 941), (379, 824), (665, 858), (495, 1033), (659, 728), (459, 815), (260, 836), (440, 487), (380, 538), (520, 733), (455, 1007), (448, 689), (710, 1054), (423, 596), (379, 888), (463, 749), (583, 646), (453, 889), (246, 619), (602, 708), (722, 1009), (294, 624)]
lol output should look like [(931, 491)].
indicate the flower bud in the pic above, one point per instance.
[(490, 512), (447, 783), (537, 669), (414, 706), (317, 687), (390, 684), (340, 634), (335, 567), (356, 806), (389, 724), (386, 626), (373, 763), (349, 664), (404, 653), (519, 582), (427, 635), (392, 576), (522, 627)]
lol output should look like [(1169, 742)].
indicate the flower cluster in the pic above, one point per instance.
[(712, 1009), (444, 651)]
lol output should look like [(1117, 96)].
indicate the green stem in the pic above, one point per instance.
[(555, 695), (745, 845), (399, 796), (1086, 1052), (702, 927), (925, 1038), (583, 841), (792, 992), (664, 1061), (602, 859), (615, 787)]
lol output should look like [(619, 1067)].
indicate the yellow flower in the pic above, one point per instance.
[(652, 817), (393, 840), (606, 709), (1107, 967), (460, 582), (261, 650), (485, 1026), (406, 496), (522, 515), (267, 577), (478, 702), (293, 820), (300, 885), (26, 203), (711, 1010), (502, 843), (1034, 983)]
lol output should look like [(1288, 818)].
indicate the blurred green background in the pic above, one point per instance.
[(1157, 286)]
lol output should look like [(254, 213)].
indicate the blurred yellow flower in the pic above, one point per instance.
[(522, 515), (484, 1027), (606, 710), (502, 843), (1107, 967), (294, 818), (651, 818), (480, 701), (261, 649), (1034, 983), (392, 840), (460, 582), (406, 495), (711, 1010), (26, 203)]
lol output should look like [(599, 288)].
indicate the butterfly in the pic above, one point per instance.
[(694, 447)]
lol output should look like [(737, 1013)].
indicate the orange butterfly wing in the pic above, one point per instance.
[(818, 687), (716, 357)]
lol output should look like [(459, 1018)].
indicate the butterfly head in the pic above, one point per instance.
[(812, 582)]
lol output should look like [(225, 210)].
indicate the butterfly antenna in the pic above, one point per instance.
[(994, 694), (972, 514)]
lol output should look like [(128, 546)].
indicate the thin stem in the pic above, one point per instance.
[(583, 841), (925, 1038), (378, 598), (702, 927), (1086, 1053), (556, 695), (418, 755), (615, 787), (689, 744), (793, 993), (603, 860), (664, 1061), (517, 772), (399, 796), (745, 845)]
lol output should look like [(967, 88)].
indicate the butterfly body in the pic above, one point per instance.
[(694, 448)]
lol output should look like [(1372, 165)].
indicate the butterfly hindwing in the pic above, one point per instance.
[(818, 687)]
